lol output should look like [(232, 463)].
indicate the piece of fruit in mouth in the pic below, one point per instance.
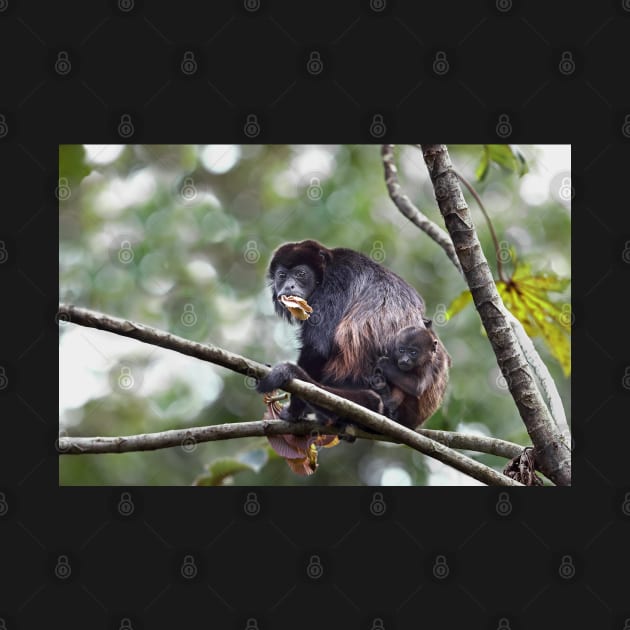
[(298, 307)]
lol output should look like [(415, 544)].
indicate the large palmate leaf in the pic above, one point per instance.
[(526, 296)]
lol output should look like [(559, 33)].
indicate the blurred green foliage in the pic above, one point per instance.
[(179, 237)]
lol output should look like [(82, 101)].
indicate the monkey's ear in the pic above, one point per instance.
[(428, 323)]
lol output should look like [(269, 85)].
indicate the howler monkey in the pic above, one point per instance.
[(358, 307), (411, 380)]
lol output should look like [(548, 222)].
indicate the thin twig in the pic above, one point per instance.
[(495, 240), (408, 209)]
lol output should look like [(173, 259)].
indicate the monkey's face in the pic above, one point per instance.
[(406, 358), (415, 349), (298, 281)]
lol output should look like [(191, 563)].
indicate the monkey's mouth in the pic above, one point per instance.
[(404, 367), (299, 308), (296, 294)]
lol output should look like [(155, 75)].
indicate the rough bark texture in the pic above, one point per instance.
[(553, 456)]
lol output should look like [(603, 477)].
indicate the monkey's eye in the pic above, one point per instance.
[(401, 350), (300, 274), (281, 275), (413, 353)]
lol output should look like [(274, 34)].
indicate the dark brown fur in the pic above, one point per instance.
[(412, 395), (358, 307)]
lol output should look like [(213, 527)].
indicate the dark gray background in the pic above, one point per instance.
[(377, 60)]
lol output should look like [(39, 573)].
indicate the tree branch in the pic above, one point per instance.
[(262, 428), (408, 209), (552, 453), (478, 443), (306, 391), (547, 384)]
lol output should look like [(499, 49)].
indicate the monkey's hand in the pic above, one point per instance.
[(279, 376), (378, 381)]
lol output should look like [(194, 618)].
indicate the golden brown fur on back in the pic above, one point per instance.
[(430, 400), (363, 336)]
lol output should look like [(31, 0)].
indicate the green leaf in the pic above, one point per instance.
[(72, 164), (458, 304), (525, 295), (521, 161), (508, 156), (543, 281), (484, 165), (219, 470), (502, 155)]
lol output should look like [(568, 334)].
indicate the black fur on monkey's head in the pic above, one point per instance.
[(310, 253), (298, 270)]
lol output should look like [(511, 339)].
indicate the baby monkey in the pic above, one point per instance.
[(412, 379)]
